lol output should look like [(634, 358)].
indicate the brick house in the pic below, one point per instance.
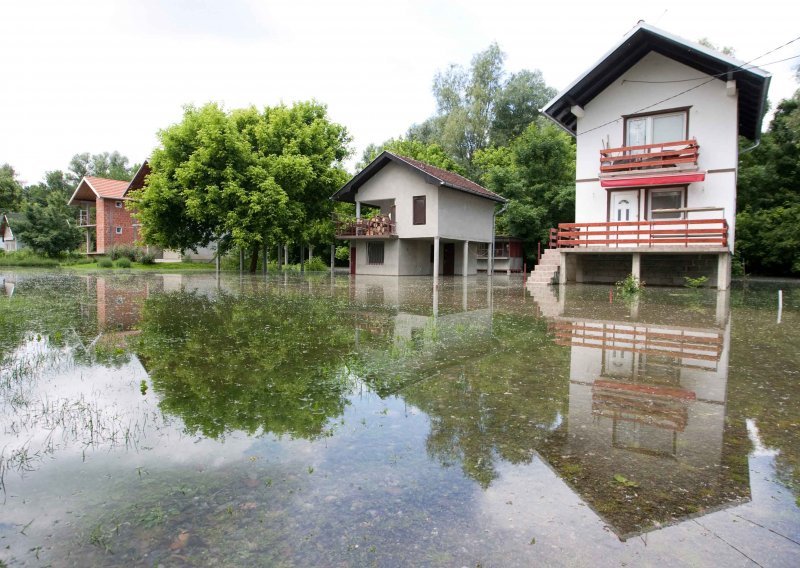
[(104, 214)]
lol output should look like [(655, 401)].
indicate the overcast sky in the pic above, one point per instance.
[(94, 76)]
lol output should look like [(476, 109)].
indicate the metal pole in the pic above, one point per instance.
[(241, 260), (780, 305)]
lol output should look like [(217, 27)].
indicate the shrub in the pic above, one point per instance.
[(630, 286), (698, 282), (342, 253), (127, 251), (316, 264), (124, 262), (147, 258), (26, 257), (105, 262)]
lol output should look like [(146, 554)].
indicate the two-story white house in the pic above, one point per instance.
[(657, 121), (424, 220)]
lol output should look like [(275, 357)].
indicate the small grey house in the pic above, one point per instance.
[(422, 220)]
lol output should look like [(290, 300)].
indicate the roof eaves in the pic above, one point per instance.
[(74, 193)]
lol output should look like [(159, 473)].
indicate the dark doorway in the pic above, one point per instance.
[(449, 261), (352, 260)]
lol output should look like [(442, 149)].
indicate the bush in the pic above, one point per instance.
[(316, 264), (26, 257), (342, 253), (105, 262), (630, 286), (124, 262), (698, 282), (147, 258), (127, 251)]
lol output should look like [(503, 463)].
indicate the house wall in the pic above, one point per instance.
[(464, 216), (390, 264), (108, 218), (9, 243), (712, 121)]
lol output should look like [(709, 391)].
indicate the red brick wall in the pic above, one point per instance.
[(109, 216)]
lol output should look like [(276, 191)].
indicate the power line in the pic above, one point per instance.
[(714, 77), (742, 68)]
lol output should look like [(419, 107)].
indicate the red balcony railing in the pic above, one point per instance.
[(671, 232), (629, 159), (380, 226)]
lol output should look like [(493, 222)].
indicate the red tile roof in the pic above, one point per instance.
[(451, 179), (110, 188)]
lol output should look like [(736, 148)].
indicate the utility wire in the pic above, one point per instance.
[(741, 67)]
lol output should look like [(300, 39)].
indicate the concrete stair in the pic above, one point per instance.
[(547, 300), (547, 270)]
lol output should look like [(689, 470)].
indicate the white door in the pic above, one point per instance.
[(624, 206)]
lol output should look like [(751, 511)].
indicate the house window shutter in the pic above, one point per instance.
[(419, 210)]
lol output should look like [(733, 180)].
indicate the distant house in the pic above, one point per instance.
[(10, 242), (103, 214), (424, 220), (657, 122)]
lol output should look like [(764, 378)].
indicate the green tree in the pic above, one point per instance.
[(481, 106), (10, 189), (536, 173), (767, 234), (245, 178), (111, 165), (430, 153), (46, 225)]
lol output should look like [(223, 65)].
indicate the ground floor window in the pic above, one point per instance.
[(666, 198), (375, 253), (483, 250), (501, 249)]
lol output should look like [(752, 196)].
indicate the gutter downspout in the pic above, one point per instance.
[(753, 147), (490, 268)]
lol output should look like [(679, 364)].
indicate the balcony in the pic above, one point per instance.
[(666, 157), (673, 233), (379, 227), (86, 218)]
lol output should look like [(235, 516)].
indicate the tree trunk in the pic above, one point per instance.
[(254, 260)]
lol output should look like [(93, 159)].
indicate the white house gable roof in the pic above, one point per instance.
[(752, 83)]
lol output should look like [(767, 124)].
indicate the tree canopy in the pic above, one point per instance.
[(244, 178), (111, 165), (10, 189)]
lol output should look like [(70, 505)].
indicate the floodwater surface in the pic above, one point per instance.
[(186, 420)]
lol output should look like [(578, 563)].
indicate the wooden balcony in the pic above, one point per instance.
[(648, 158), (85, 218), (380, 227), (676, 233)]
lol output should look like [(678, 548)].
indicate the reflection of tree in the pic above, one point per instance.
[(496, 399), (272, 362)]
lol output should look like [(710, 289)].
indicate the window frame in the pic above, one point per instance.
[(649, 129), (372, 255), (117, 230), (682, 189), (414, 210), (118, 204)]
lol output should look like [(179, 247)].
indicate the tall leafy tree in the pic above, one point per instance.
[(46, 225), (481, 106), (430, 153), (536, 173), (10, 189), (111, 165), (245, 178), (768, 222)]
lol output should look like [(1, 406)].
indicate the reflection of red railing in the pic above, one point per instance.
[(649, 156), (380, 226), (677, 232)]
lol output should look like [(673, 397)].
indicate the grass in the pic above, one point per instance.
[(153, 267)]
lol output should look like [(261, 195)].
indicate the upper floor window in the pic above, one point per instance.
[(419, 210), (656, 128), (118, 230), (118, 204)]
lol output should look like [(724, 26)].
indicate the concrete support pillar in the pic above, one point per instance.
[(724, 271), (285, 256), (358, 210), (435, 258), (723, 307), (333, 256), (562, 269), (465, 269), (636, 266), (278, 257), (464, 295)]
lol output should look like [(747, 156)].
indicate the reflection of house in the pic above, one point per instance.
[(427, 221), (647, 401), (657, 121), (507, 255), (119, 300), (104, 214), (8, 241)]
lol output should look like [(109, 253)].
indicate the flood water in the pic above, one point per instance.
[(182, 420)]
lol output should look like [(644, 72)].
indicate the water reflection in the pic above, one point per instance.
[(645, 436)]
